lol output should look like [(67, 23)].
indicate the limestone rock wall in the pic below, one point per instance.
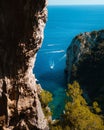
[(22, 24), (80, 45)]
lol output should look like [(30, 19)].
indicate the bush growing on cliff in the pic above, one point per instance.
[(59, 125), (96, 107), (46, 98), (78, 115)]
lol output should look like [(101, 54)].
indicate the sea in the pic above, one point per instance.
[(63, 24)]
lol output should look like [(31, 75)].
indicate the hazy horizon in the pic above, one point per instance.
[(75, 2), (76, 5)]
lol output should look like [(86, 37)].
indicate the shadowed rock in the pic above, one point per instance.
[(81, 45), (21, 33)]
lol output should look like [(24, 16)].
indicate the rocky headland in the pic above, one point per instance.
[(85, 61), (81, 45)]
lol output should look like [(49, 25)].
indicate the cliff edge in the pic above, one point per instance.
[(85, 64), (21, 33), (80, 45)]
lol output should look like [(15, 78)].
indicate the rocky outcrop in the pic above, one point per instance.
[(21, 33), (80, 45)]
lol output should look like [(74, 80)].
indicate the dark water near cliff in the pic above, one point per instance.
[(64, 22)]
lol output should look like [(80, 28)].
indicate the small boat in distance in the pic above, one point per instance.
[(52, 65)]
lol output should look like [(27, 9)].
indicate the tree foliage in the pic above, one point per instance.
[(45, 97), (78, 114), (96, 107)]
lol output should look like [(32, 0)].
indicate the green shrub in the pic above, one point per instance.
[(78, 115), (45, 97)]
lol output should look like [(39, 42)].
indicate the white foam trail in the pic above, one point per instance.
[(51, 44), (60, 51), (62, 58)]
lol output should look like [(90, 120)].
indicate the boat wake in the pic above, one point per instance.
[(52, 64)]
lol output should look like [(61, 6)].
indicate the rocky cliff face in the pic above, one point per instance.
[(21, 33), (80, 45)]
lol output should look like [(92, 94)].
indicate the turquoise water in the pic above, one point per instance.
[(64, 22)]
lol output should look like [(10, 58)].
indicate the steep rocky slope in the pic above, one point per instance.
[(81, 45), (21, 33), (85, 63)]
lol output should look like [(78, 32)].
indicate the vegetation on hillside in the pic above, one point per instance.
[(77, 114), (46, 98)]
